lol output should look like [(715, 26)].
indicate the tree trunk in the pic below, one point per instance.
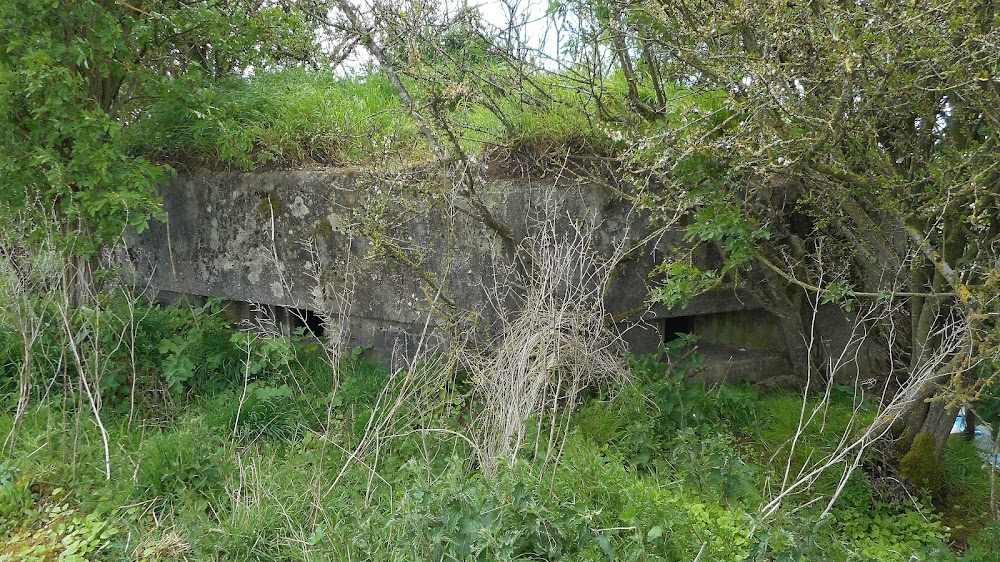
[(78, 280), (934, 417)]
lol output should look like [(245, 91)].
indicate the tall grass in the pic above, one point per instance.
[(190, 491), (636, 482), (293, 117)]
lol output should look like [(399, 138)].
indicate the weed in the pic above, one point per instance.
[(463, 518), (180, 465), (891, 531), (51, 527), (195, 346), (712, 467)]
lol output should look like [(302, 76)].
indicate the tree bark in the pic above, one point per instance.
[(934, 417)]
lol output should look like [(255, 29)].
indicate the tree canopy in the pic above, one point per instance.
[(867, 129), (73, 75)]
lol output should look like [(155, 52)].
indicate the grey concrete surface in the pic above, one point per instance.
[(295, 239)]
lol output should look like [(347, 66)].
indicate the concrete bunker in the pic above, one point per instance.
[(736, 345), (284, 320), (283, 240)]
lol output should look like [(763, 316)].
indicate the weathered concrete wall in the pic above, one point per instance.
[(293, 238)]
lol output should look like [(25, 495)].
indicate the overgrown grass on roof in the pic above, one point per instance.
[(302, 118), (293, 117)]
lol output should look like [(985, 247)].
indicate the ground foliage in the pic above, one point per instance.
[(662, 470)]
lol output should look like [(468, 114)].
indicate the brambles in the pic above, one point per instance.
[(555, 345)]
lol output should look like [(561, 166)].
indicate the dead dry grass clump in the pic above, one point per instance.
[(169, 546), (556, 344)]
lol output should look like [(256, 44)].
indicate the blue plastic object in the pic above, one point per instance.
[(959, 426), (983, 439)]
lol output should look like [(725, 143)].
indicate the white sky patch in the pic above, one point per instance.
[(522, 22), (941, 121), (527, 18)]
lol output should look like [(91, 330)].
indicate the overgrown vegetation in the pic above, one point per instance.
[(199, 474), (829, 154), (299, 118), (289, 118)]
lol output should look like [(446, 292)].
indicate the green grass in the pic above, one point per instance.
[(779, 416), (290, 118), (662, 471), (296, 118), (966, 501)]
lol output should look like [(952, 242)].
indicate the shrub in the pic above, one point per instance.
[(709, 464)]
